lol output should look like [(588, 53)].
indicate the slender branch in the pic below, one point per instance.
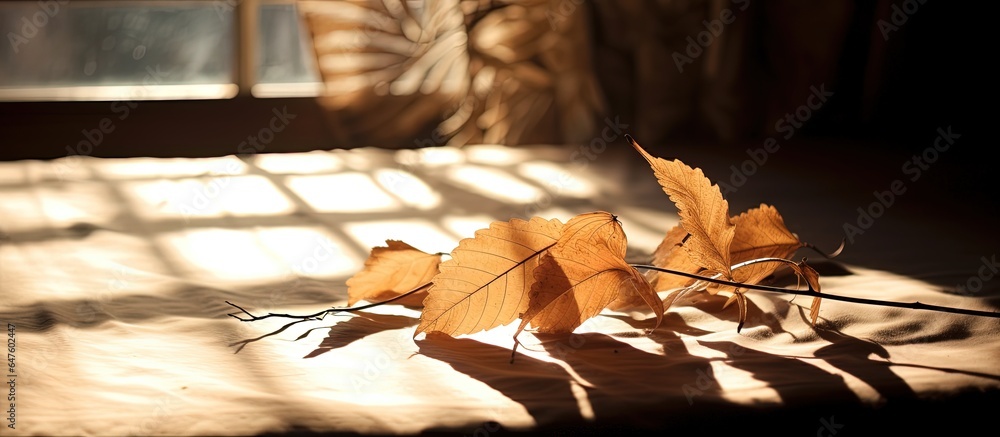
[(714, 280), (908, 305), (772, 260), (243, 343), (321, 314), (831, 255)]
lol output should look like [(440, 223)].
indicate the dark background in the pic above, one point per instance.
[(891, 96)]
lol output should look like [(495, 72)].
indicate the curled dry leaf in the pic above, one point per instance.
[(582, 274), (760, 233), (392, 270), (802, 270), (708, 241), (811, 277), (486, 282), (704, 213), (670, 255)]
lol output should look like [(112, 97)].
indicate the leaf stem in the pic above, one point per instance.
[(909, 305)]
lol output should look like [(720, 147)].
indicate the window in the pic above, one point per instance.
[(153, 50)]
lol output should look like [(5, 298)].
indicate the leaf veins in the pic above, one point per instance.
[(670, 255), (582, 274), (704, 213), (760, 233), (486, 282), (392, 270)]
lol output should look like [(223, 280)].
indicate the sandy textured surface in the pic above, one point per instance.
[(114, 274)]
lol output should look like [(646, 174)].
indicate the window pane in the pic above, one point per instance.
[(284, 53), (69, 44)]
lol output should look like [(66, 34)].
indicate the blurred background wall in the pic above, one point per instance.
[(403, 74)]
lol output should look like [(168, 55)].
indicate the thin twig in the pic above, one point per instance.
[(244, 343), (321, 314), (831, 255), (913, 305)]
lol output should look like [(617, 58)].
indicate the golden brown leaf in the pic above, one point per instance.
[(670, 255), (582, 274), (487, 280), (596, 228), (704, 213), (392, 270), (741, 298), (760, 233), (802, 270), (811, 276)]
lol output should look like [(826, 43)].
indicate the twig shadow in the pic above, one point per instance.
[(543, 388), (358, 327)]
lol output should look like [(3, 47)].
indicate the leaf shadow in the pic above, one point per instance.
[(711, 305), (796, 382), (851, 354), (626, 383), (543, 388), (358, 327), (804, 390)]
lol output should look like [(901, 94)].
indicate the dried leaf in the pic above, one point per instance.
[(597, 228), (811, 276), (670, 255), (674, 296), (393, 270), (704, 213), (741, 299), (486, 282), (802, 270), (582, 274), (760, 233)]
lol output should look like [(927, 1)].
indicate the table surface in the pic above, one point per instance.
[(114, 275)]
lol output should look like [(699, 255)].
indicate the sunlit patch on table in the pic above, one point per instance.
[(342, 192)]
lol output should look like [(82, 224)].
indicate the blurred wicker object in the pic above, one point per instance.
[(455, 72)]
